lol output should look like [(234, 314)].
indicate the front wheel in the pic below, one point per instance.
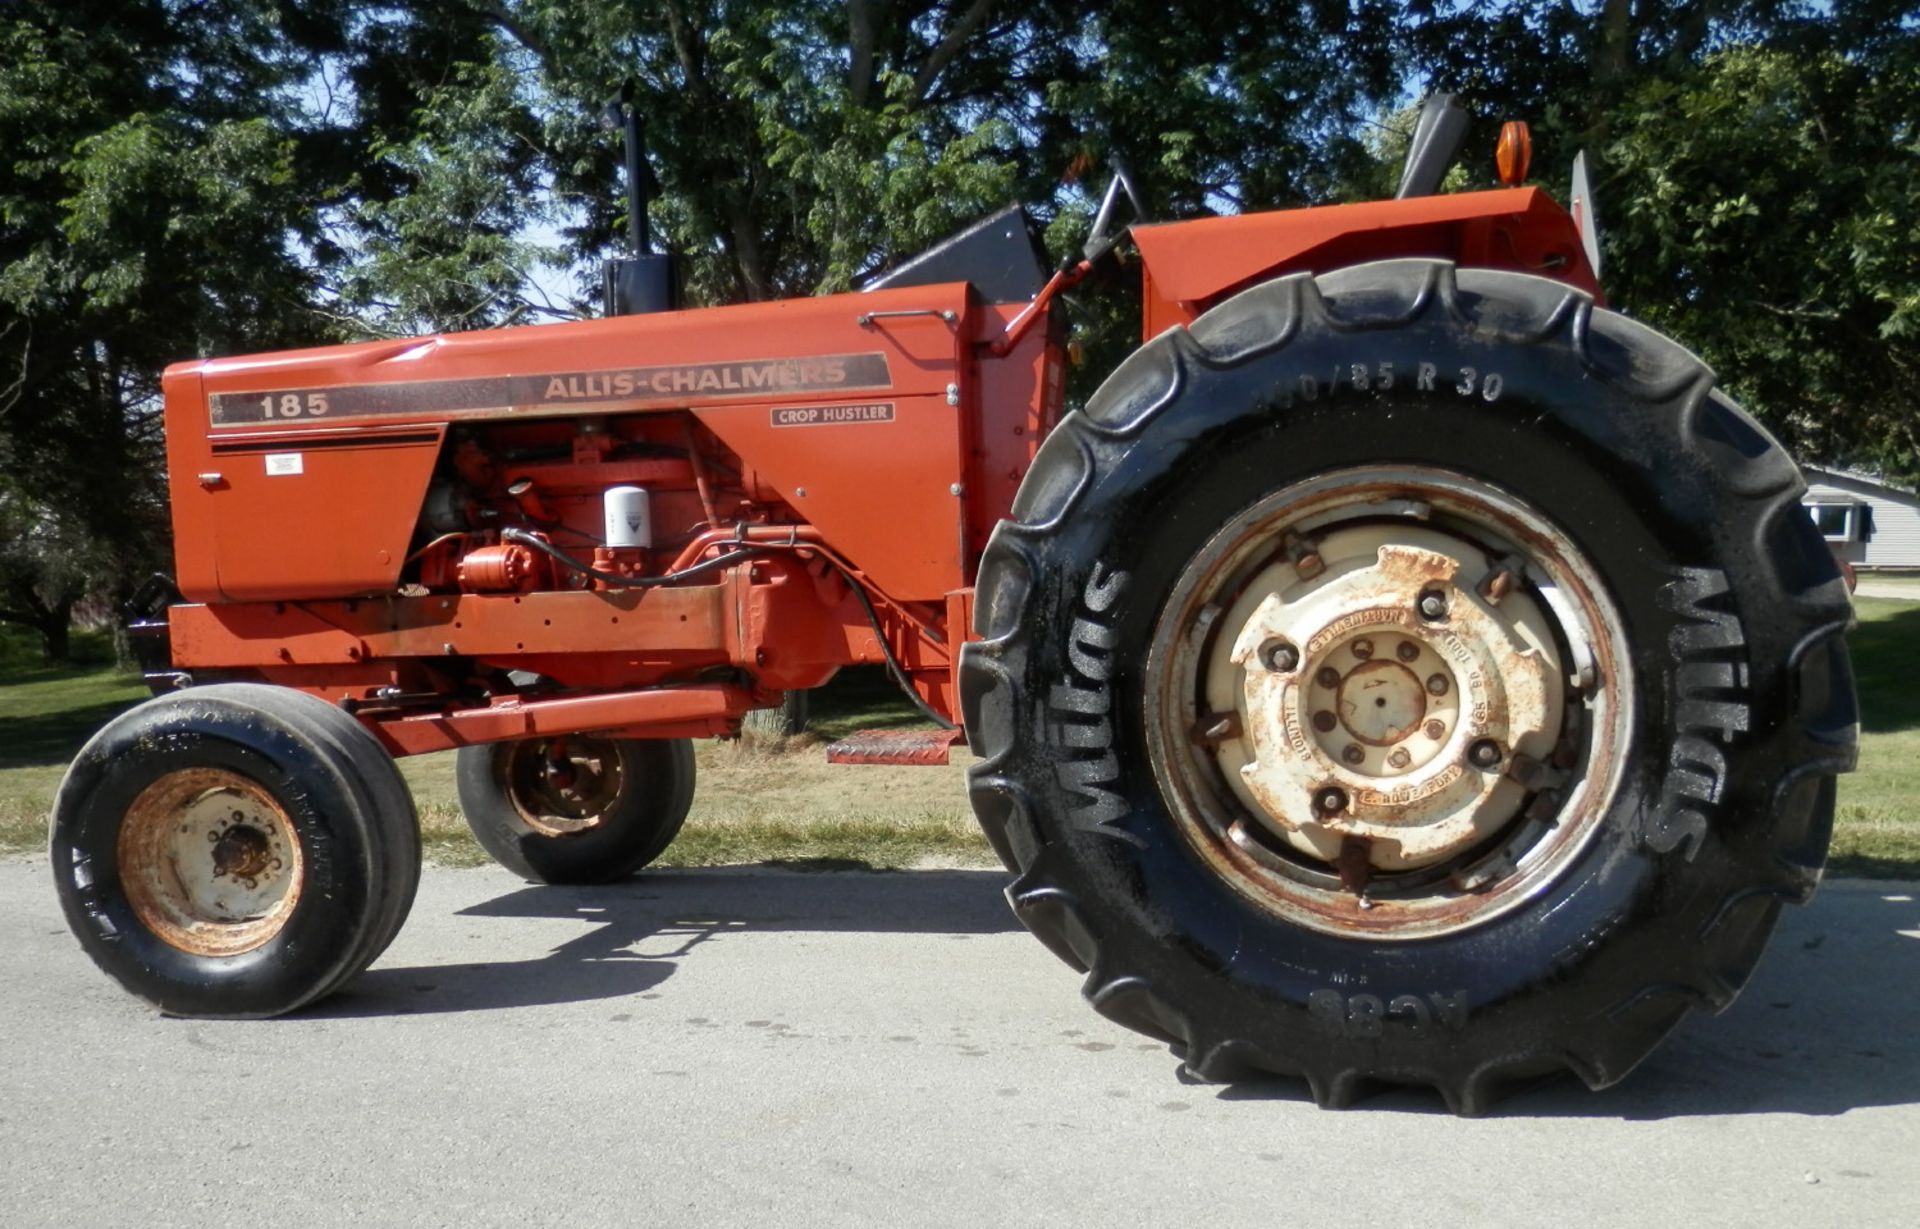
[(1409, 675), (234, 851), (576, 808)]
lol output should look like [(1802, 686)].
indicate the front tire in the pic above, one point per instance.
[(234, 851), (576, 809), (1638, 629)]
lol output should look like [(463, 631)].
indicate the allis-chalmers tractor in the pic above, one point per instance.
[(1403, 669)]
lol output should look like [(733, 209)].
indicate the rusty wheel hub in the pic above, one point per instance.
[(1381, 693), (210, 862), (561, 786)]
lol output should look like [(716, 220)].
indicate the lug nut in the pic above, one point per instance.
[(1280, 656), (1324, 721), (1327, 677), (1407, 651), (1433, 605), (1352, 753), (1362, 648), (1398, 758), (1330, 801), (1435, 729), (1484, 754), (1437, 684)]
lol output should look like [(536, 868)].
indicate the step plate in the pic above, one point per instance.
[(917, 747)]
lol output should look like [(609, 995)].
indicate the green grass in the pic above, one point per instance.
[(46, 713), (1877, 824), (755, 803), (785, 804)]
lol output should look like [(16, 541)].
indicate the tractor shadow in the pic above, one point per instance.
[(638, 932), (1826, 1025)]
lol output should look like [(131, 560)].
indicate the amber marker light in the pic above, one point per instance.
[(1514, 153)]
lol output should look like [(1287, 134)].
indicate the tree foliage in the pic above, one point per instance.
[(180, 179)]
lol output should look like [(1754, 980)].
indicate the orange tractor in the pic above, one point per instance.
[(1403, 668)]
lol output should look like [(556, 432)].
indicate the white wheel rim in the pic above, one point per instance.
[(1392, 701), (210, 862)]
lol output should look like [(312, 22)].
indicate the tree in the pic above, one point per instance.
[(146, 215), (1756, 167)]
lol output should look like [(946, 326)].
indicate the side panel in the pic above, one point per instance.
[(1016, 401), (314, 515)]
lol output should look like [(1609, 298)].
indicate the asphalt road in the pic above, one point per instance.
[(718, 1047)]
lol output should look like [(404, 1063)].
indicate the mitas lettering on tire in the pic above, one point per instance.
[(1409, 675)]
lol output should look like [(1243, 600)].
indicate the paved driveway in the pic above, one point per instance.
[(720, 1047)]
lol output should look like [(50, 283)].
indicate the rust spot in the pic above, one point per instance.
[(1355, 864)]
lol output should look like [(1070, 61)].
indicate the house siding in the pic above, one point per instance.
[(1891, 536)]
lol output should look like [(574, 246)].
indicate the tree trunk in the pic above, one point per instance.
[(56, 636), (789, 719)]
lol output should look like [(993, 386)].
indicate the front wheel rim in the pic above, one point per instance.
[(1391, 701), (210, 862), (564, 786)]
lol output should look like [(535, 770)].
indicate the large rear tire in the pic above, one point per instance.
[(1409, 675), (578, 809), (234, 851)]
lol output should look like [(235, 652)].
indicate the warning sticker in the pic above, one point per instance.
[(283, 464), (830, 415)]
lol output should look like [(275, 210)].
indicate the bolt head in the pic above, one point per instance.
[(1433, 605), (1330, 801), (1280, 656), (1407, 651), (1362, 648), (1435, 729), (1324, 721), (1327, 677), (1352, 753), (1484, 754), (1398, 758), (1437, 684)]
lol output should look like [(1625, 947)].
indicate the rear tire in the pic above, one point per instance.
[(577, 809), (1161, 791), (234, 851)]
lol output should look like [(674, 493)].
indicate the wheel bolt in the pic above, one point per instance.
[(1399, 758), (1435, 729), (1484, 754), (1407, 651), (1324, 721), (1352, 753), (1362, 648), (1437, 684), (1330, 801), (1433, 605), (1280, 656), (1327, 677)]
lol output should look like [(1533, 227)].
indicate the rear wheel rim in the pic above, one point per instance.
[(1391, 701), (210, 862), (565, 786)]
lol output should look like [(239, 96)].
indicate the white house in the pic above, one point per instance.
[(1868, 523)]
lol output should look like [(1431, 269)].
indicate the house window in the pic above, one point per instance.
[(1836, 522)]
